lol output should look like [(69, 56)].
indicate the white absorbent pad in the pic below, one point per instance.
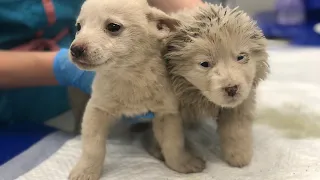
[(286, 135)]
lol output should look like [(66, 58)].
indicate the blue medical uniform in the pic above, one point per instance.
[(22, 22)]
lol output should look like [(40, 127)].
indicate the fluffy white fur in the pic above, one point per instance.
[(120, 40)]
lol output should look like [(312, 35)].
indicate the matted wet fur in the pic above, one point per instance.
[(120, 40), (216, 59)]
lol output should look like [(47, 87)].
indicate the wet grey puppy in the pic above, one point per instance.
[(216, 59)]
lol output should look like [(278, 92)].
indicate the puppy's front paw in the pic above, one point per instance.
[(155, 151), (86, 171), (238, 158), (186, 163)]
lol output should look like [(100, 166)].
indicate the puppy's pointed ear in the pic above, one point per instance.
[(162, 20)]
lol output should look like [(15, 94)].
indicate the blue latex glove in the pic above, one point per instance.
[(68, 74)]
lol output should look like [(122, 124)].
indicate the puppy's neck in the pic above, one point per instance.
[(138, 64)]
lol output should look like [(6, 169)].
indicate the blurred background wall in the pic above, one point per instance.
[(250, 6)]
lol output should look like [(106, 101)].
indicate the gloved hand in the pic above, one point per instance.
[(68, 74)]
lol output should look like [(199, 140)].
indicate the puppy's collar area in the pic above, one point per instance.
[(147, 117)]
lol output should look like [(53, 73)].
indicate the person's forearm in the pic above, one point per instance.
[(174, 5), (26, 69)]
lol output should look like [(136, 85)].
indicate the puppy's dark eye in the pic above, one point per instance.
[(113, 27), (240, 57), (205, 64), (78, 27)]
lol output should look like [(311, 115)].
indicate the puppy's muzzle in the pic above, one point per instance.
[(231, 90), (78, 51)]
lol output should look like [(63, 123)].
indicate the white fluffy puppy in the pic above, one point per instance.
[(120, 40)]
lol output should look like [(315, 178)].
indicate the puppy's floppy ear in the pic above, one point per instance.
[(162, 20)]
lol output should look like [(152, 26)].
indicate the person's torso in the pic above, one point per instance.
[(28, 25), (24, 20)]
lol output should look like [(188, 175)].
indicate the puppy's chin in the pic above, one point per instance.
[(231, 102), (89, 66)]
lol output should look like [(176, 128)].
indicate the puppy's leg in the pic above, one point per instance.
[(151, 145), (95, 129), (235, 131), (78, 101), (169, 133)]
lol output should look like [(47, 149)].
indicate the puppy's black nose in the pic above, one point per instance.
[(77, 50), (232, 90)]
